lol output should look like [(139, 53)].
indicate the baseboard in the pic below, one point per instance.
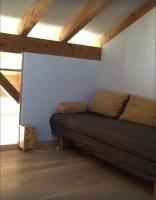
[(40, 144), (8, 147)]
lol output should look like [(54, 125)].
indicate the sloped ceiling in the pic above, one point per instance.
[(115, 12), (60, 12), (11, 12)]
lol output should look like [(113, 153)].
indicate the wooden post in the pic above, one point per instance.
[(61, 143)]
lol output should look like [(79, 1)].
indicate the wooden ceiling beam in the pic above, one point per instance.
[(82, 18), (33, 15), (128, 21), (9, 88), (19, 44)]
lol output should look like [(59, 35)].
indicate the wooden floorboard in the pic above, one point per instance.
[(66, 175)]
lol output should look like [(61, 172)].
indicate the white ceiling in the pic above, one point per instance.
[(51, 24), (10, 13), (114, 13)]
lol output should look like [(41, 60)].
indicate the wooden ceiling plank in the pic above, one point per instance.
[(82, 18), (33, 15), (19, 44), (10, 89), (128, 21)]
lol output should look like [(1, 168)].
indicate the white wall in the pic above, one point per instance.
[(128, 65), (48, 80), (129, 60)]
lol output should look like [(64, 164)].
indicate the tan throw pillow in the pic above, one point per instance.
[(72, 107), (140, 110), (108, 103)]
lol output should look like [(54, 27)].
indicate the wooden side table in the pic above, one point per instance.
[(27, 137)]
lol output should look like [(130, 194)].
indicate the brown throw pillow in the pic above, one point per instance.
[(140, 110), (108, 103), (72, 107)]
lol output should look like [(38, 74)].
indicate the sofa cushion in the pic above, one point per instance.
[(140, 110), (108, 103), (72, 107), (137, 139)]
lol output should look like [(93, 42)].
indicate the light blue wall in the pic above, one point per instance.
[(48, 80)]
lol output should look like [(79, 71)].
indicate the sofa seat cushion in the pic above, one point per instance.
[(137, 139)]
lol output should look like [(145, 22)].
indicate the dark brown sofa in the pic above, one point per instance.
[(127, 145)]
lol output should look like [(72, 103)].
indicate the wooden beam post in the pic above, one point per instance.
[(128, 21), (61, 144), (81, 18), (14, 79), (9, 88), (33, 15), (19, 44)]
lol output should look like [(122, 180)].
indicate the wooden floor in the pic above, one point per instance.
[(66, 175)]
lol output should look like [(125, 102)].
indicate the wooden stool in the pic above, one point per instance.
[(27, 137)]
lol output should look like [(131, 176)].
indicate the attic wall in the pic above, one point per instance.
[(48, 80), (129, 60)]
